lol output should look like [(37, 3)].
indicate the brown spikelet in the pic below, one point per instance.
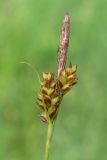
[(63, 44)]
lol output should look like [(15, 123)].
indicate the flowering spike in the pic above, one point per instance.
[(52, 90), (63, 44)]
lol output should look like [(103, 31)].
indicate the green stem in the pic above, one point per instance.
[(48, 141)]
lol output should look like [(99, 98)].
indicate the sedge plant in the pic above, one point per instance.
[(53, 89)]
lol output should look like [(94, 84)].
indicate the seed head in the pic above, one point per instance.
[(52, 90)]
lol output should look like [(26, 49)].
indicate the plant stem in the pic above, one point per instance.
[(48, 141)]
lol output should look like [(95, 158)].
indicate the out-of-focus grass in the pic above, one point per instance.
[(29, 31)]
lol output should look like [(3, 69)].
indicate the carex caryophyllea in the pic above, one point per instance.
[(52, 88)]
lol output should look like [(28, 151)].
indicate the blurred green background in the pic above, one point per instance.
[(29, 31)]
